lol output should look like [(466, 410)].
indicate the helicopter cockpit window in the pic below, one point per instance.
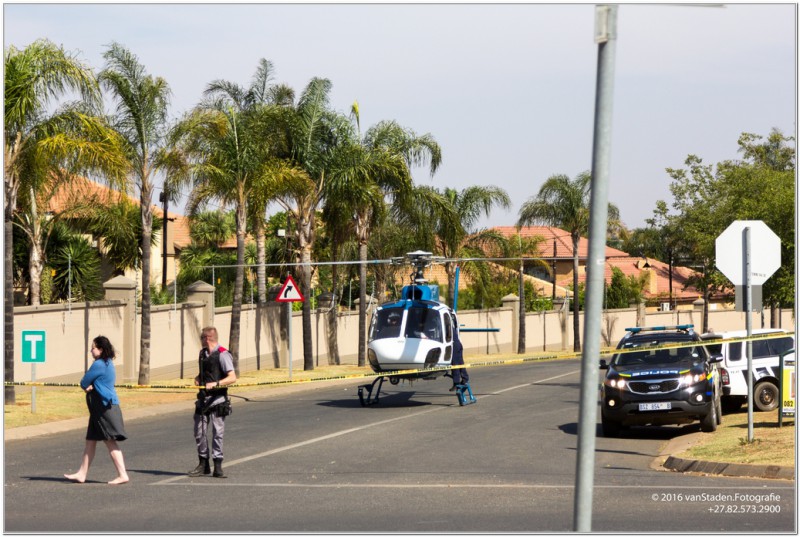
[(387, 323), (424, 323), (448, 328)]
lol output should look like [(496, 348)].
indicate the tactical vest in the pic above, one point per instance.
[(211, 369)]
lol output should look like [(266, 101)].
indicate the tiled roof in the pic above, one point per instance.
[(557, 242), (83, 188)]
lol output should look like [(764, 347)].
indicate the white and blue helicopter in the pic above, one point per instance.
[(414, 333)]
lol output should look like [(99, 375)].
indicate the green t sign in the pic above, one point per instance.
[(33, 346)]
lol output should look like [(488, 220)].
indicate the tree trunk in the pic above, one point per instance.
[(305, 226), (35, 268), (11, 188), (261, 270), (450, 270), (36, 258), (362, 303), (238, 291), (261, 277), (333, 332), (9, 393), (147, 232), (576, 307)]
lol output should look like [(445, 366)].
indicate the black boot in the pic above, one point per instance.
[(204, 468), (218, 468)]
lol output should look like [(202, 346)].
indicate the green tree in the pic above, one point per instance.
[(455, 231), (363, 173), (140, 117), (38, 141), (565, 204), (624, 290), (314, 131), (119, 226), (707, 199)]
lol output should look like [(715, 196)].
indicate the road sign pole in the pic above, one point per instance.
[(289, 334), (33, 388), (748, 307)]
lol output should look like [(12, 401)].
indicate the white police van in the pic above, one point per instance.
[(733, 368)]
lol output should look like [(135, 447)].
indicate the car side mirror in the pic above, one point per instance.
[(715, 358), (603, 364)]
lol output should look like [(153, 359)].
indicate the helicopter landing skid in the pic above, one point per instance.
[(369, 400), (464, 394)]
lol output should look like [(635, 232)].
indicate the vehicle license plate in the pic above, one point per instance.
[(655, 406)]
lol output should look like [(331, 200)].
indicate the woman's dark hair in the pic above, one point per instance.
[(105, 346)]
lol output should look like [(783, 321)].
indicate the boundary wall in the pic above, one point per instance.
[(175, 332)]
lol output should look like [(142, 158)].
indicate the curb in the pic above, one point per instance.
[(730, 469), (681, 443)]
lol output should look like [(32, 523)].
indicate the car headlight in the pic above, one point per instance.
[(618, 383), (690, 379)]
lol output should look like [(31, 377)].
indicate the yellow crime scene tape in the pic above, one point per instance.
[(510, 361)]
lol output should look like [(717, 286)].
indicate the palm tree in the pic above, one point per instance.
[(140, 118), (519, 247), (367, 171), (565, 204), (37, 142), (230, 143), (300, 188), (456, 235)]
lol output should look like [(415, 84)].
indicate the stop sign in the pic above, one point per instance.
[(765, 252)]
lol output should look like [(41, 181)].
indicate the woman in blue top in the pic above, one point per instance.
[(105, 416)]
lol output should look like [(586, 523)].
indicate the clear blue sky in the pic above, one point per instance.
[(507, 90)]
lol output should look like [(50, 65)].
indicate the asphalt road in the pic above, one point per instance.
[(314, 460)]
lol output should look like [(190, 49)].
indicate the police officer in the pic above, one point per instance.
[(212, 405), (460, 375)]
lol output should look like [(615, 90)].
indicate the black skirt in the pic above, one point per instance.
[(105, 422)]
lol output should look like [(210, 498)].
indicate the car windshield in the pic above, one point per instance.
[(647, 352)]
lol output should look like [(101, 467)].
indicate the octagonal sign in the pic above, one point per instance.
[(765, 252)]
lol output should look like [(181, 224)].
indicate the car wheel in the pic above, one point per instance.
[(709, 422), (611, 429), (765, 396)]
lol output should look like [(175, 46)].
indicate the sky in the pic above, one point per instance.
[(506, 90)]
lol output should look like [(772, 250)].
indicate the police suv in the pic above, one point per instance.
[(660, 378)]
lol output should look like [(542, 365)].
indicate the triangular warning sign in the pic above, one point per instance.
[(290, 292)]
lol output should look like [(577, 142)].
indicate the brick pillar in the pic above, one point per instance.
[(203, 292), (511, 301), (124, 289)]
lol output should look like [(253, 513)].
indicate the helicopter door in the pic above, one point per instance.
[(448, 337)]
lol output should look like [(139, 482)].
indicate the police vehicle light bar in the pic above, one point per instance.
[(636, 329)]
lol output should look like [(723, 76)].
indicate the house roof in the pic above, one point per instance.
[(557, 243), (83, 188)]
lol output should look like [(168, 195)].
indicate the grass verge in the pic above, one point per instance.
[(772, 445)]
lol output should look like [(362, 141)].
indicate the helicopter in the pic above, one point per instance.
[(415, 333)]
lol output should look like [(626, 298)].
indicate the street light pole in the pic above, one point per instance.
[(606, 37)]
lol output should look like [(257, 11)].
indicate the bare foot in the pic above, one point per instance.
[(119, 481), (76, 477)]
